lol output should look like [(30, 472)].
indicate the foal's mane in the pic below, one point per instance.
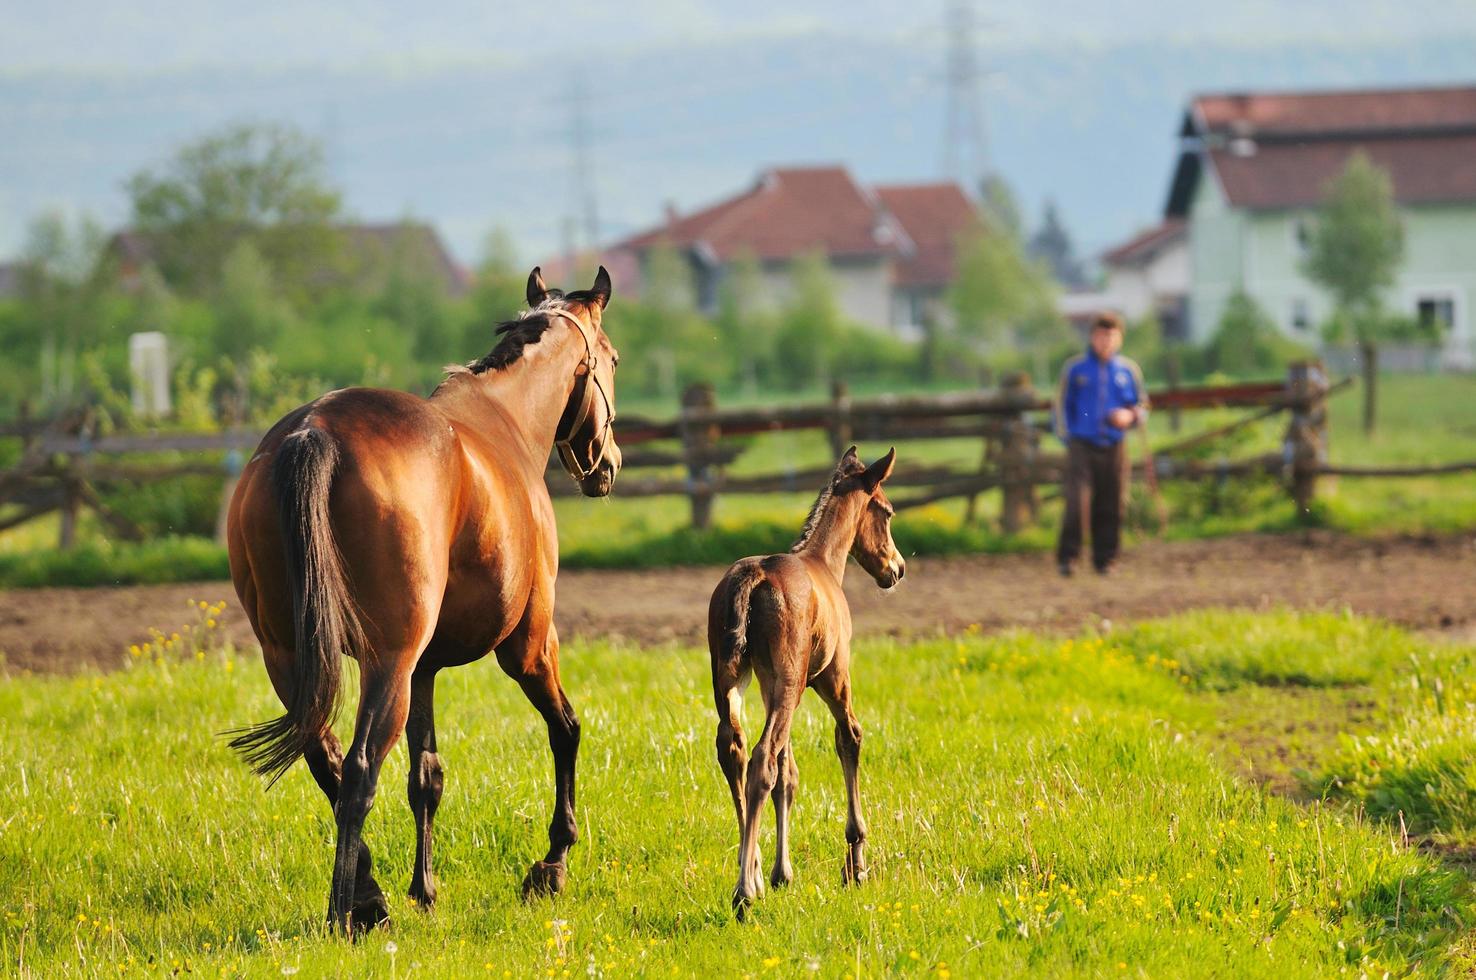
[(526, 328), (822, 502)]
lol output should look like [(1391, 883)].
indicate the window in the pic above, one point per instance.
[(1436, 312), (1301, 318), (1302, 235)]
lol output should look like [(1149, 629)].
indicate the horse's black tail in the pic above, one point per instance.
[(324, 617), (740, 597)]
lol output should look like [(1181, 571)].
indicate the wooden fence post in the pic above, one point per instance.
[(1305, 446), (841, 434), (697, 444), (1017, 450)]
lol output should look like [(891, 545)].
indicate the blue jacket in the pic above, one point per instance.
[(1090, 390)]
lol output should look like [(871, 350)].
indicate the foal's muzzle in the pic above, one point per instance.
[(892, 573)]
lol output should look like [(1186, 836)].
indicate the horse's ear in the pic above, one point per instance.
[(601, 288), (537, 291), (876, 474)]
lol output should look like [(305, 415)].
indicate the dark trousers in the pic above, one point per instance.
[(1095, 480)]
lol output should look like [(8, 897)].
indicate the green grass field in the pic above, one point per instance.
[(1058, 806)]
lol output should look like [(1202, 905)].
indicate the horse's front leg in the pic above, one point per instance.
[(531, 657)]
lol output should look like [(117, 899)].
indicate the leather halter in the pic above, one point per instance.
[(583, 374)]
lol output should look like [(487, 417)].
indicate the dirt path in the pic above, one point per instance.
[(1423, 583)]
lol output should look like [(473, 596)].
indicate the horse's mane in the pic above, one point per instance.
[(526, 328), (848, 466)]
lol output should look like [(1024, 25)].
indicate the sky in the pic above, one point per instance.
[(92, 35), (458, 112)]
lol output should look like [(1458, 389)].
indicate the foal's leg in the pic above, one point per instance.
[(384, 700), (425, 781), (834, 688), (530, 656), (783, 872), (763, 774), (728, 681)]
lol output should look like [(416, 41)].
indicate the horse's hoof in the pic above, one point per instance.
[(741, 905), (424, 897), (854, 872), (543, 879), (781, 877), (371, 914)]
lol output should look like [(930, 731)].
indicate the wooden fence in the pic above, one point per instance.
[(63, 461)]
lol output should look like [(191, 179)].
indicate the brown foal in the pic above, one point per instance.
[(414, 534), (785, 618)]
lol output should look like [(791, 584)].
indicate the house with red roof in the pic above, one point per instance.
[(1254, 167), (1146, 274), (891, 249)]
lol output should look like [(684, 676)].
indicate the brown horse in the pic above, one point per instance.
[(414, 534), (785, 618)]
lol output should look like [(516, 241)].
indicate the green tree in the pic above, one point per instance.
[(249, 313), (999, 206), (1244, 340), (497, 294), (747, 328), (413, 299), (66, 298), (1002, 303), (1355, 253), (810, 323), (266, 184)]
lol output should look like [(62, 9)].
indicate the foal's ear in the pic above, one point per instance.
[(537, 291), (601, 288), (876, 474), (849, 464)]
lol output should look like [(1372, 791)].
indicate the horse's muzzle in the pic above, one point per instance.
[(602, 480)]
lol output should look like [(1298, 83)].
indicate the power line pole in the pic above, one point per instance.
[(965, 140), (585, 199)]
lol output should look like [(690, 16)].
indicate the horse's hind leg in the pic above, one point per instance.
[(325, 760), (784, 790), (530, 656), (834, 688), (425, 781), (384, 701)]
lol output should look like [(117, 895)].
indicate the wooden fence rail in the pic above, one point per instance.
[(63, 461)]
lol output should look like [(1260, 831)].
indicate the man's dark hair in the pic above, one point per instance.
[(1107, 321)]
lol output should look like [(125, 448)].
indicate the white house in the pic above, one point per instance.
[(1254, 167)]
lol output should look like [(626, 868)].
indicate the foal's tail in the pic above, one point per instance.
[(740, 597), (324, 618)]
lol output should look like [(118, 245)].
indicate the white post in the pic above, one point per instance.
[(148, 363)]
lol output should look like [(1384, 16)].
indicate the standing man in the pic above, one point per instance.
[(1101, 397)]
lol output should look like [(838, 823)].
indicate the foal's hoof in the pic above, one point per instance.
[(741, 904), (781, 877), (543, 879), (854, 871)]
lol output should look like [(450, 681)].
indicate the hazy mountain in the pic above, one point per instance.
[(473, 145)]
